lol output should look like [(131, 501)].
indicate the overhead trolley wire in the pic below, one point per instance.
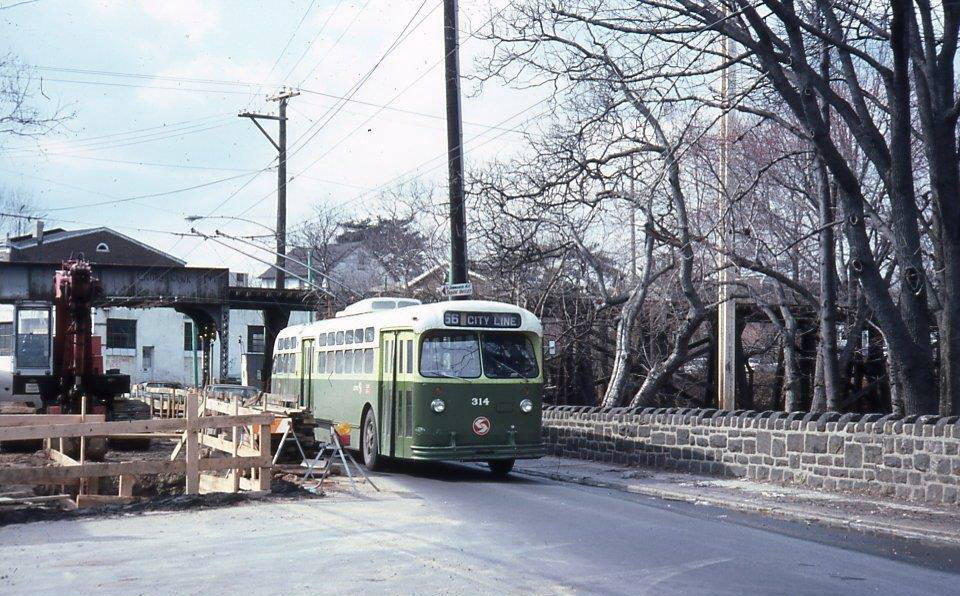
[(323, 28), (359, 84)]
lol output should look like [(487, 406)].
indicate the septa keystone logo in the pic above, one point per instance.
[(481, 426)]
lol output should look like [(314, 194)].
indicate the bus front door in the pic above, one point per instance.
[(306, 374), (388, 387), (403, 393)]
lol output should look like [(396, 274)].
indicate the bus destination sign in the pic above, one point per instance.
[(494, 320)]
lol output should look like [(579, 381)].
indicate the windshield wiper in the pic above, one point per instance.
[(452, 376)]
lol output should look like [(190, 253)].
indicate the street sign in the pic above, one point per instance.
[(458, 290)]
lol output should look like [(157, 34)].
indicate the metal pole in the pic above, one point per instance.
[(458, 234)]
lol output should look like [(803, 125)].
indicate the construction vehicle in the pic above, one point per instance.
[(56, 364)]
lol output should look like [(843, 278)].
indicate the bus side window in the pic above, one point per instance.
[(369, 334), (339, 338), (388, 357), (409, 355), (358, 361), (321, 361), (339, 368), (368, 360), (348, 361), (399, 356)]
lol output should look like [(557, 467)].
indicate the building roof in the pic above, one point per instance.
[(64, 244)]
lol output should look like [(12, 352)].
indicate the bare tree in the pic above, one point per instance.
[(20, 95), (17, 212)]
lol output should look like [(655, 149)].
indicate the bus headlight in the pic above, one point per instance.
[(526, 406), (438, 405)]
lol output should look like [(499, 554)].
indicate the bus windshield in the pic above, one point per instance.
[(450, 354), (508, 355)]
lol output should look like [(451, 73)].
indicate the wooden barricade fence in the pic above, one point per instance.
[(249, 452), (164, 402)]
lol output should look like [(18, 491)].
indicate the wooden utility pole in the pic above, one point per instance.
[(726, 306), (458, 232), (281, 147), (275, 319)]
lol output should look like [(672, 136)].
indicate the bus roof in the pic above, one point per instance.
[(423, 317)]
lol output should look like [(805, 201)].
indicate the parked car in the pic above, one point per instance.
[(159, 385), (242, 391)]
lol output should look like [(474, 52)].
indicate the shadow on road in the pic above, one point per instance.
[(451, 472)]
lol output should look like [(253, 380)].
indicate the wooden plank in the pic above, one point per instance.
[(97, 500), (106, 429), (235, 435), (9, 420), (61, 458), (7, 502), (265, 471), (55, 474), (222, 407), (193, 447), (126, 485), (215, 484), (179, 447), (227, 446)]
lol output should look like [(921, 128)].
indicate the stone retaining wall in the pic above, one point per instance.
[(912, 458)]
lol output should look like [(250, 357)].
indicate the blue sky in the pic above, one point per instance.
[(156, 87)]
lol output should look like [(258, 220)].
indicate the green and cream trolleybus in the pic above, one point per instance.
[(455, 381)]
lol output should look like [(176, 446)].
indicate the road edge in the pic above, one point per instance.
[(777, 509)]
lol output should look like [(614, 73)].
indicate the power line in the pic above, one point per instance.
[(387, 105), (166, 125), (146, 163), (366, 77), (336, 42), (323, 28), (399, 177), (152, 195), (292, 35), (258, 85), (135, 140), (151, 87), (16, 4)]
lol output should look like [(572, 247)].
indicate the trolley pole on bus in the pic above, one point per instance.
[(458, 282)]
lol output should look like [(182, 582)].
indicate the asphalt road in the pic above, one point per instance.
[(447, 529)]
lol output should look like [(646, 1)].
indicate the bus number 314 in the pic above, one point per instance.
[(480, 401)]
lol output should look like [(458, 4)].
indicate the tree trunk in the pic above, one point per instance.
[(829, 361), (624, 356), (950, 320), (660, 373)]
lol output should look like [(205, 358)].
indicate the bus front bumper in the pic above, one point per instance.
[(477, 452)]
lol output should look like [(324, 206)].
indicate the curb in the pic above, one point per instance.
[(787, 512)]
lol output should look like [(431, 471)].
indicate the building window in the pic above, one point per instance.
[(187, 340), (255, 339), (6, 338), (122, 333), (103, 247)]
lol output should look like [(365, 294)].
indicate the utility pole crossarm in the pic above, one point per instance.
[(253, 118)]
